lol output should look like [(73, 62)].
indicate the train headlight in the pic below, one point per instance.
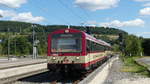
[(77, 58), (54, 58), (66, 31)]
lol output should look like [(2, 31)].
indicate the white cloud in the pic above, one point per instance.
[(91, 23), (130, 23), (27, 17), (143, 33), (12, 3), (145, 11), (146, 5), (24, 17), (96, 4), (6, 13), (141, 0)]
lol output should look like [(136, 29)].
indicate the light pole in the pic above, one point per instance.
[(8, 51), (35, 42), (33, 37)]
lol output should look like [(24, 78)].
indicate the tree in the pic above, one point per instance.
[(21, 36), (23, 46), (116, 48), (133, 46), (146, 46), (1, 49)]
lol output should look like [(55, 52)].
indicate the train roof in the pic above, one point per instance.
[(87, 36), (99, 41)]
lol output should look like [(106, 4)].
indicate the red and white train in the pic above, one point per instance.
[(75, 50)]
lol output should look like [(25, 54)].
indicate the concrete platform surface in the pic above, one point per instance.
[(4, 63), (12, 72)]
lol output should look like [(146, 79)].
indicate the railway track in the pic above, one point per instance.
[(52, 78), (47, 77), (57, 78)]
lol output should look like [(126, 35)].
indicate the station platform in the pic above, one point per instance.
[(14, 62), (14, 68)]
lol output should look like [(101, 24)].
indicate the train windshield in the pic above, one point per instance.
[(66, 43)]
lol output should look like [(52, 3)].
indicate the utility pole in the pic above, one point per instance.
[(15, 45), (33, 33), (8, 51), (34, 54)]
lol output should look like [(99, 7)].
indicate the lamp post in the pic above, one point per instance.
[(8, 49), (33, 38), (35, 42)]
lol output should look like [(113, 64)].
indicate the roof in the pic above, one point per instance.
[(87, 36), (99, 41)]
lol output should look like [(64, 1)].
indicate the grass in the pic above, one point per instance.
[(131, 66)]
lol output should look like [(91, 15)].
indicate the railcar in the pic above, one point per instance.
[(71, 49)]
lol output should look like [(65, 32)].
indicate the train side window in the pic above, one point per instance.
[(88, 46)]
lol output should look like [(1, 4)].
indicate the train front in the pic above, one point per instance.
[(66, 50)]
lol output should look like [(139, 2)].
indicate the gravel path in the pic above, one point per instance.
[(117, 77)]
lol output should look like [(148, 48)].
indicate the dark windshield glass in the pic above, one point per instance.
[(66, 43)]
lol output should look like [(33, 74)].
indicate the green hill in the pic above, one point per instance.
[(26, 27), (20, 36)]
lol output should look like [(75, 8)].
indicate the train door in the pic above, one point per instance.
[(89, 49)]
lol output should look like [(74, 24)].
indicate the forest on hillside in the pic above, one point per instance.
[(18, 35), (24, 27)]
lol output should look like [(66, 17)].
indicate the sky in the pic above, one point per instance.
[(132, 16)]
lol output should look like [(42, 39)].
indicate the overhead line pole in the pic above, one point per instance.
[(15, 44), (33, 45), (8, 51)]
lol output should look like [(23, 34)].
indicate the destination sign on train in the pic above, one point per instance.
[(67, 35)]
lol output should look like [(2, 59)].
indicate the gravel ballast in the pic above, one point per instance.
[(117, 77)]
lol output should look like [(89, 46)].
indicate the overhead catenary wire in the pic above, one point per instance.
[(53, 16), (87, 15), (84, 18), (83, 10), (71, 11), (44, 11)]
